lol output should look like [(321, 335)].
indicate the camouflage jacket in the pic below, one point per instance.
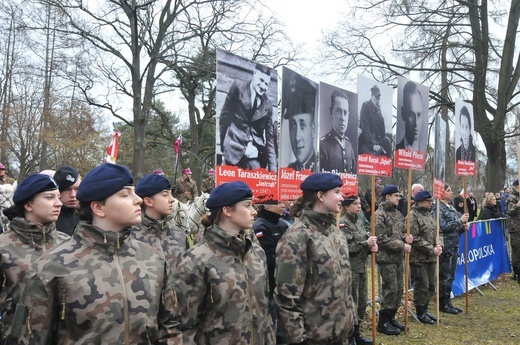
[(208, 185), (100, 287), (424, 230), (164, 236), (185, 190), (357, 236), (390, 231), (19, 248), (222, 292), (313, 281), (513, 212), (450, 223)]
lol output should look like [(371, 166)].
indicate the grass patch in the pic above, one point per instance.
[(493, 319)]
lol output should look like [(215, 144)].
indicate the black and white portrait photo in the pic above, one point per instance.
[(464, 132), (440, 149), (338, 130), (246, 113)]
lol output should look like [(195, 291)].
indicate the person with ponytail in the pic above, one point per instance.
[(221, 283), (452, 225), (32, 231), (313, 275), (360, 245)]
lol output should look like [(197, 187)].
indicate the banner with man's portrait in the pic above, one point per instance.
[(465, 151), (375, 125), (247, 125), (439, 171), (339, 134), (412, 125)]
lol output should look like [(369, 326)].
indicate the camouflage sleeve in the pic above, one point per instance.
[(41, 299), (189, 289), (290, 276), (168, 333), (512, 210), (386, 241), (447, 223), (417, 227), (355, 246)]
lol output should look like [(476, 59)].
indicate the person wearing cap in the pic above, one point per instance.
[(247, 137), (452, 225), (157, 228), (209, 184), (373, 139), (422, 257), (299, 109), (158, 172), (313, 275), (102, 286), (269, 228), (185, 189), (4, 179), (221, 283), (360, 245), (336, 152), (513, 228), (68, 180), (392, 242), (32, 232)]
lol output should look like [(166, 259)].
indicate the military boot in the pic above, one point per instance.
[(384, 326), (454, 307), (394, 322), (359, 339), (445, 307), (421, 315), (431, 316)]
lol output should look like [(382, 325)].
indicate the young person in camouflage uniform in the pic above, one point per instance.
[(452, 225), (156, 228), (392, 242), (513, 227), (102, 286), (221, 284), (360, 245), (313, 277), (422, 257), (32, 232)]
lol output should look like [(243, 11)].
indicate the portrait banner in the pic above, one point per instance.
[(375, 126), (412, 125), (247, 125), (350, 184), (338, 126), (439, 171), (465, 154), (487, 255), (298, 133)]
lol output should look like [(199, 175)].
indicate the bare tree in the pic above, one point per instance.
[(450, 44)]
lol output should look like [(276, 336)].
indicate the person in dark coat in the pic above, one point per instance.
[(373, 138), (246, 124), (490, 208), (68, 180)]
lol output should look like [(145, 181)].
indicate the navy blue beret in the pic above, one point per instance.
[(103, 181), (32, 185), (515, 183), (152, 184), (228, 194), (321, 181), (66, 176), (422, 195), (390, 189)]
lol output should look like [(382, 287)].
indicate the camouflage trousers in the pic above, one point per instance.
[(423, 274), (392, 289), (447, 267), (359, 293), (515, 248)]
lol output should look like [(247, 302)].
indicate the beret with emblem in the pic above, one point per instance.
[(103, 181), (390, 189), (152, 184), (228, 194), (321, 181), (65, 176), (32, 185)]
